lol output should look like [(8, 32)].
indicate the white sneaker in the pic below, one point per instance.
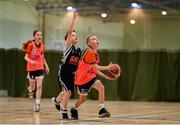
[(37, 107), (57, 105)]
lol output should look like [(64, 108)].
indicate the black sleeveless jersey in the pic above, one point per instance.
[(70, 59)]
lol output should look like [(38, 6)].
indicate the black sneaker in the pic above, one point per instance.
[(64, 114), (104, 113), (57, 105), (74, 114)]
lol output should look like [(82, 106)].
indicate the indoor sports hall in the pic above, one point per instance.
[(141, 36)]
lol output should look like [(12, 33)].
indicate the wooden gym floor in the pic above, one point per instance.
[(19, 111)]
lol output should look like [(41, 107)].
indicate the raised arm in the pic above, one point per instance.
[(70, 30)]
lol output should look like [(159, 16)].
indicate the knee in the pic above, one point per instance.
[(100, 86), (39, 86), (33, 87)]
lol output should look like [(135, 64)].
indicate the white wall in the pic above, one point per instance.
[(17, 21), (109, 34)]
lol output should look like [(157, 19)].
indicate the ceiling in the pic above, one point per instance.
[(109, 4), (114, 8)]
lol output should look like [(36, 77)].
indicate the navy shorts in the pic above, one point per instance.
[(36, 74), (84, 89)]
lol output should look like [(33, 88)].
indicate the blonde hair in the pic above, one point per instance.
[(88, 38)]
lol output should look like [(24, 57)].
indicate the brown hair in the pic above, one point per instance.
[(67, 34), (34, 32), (26, 43)]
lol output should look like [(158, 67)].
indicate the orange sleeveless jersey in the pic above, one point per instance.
[(36, 54), (86, 71)]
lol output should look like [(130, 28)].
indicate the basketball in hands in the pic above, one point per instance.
[(115, 72)]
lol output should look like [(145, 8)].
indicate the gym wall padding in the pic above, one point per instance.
[(147, 75)]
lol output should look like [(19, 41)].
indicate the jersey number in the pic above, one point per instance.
[(74, 60)]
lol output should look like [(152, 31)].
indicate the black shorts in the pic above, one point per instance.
[(65, 79), (84, 89), (35, 74)]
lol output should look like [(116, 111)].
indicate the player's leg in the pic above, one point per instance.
[(64, 103), (38, 94), (67, 83), (39, 76), (60, 96), (31, 86), (83, 92), (74, 110), (81, 100), (57, 100), (101, 90)]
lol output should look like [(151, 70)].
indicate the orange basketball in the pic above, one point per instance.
[(116, 71)]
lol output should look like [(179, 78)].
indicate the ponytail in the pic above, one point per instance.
[(25, 45)]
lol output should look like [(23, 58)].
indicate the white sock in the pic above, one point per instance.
[(57, 100), (101, 106), (64, 109), (38, 101), (62, 106)]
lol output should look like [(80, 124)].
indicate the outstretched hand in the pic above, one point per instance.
[(74, 15)]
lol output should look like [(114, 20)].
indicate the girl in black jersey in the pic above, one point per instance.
[(67, 68)]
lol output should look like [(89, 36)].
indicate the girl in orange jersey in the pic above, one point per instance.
[(36, 65), (85, 77)]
